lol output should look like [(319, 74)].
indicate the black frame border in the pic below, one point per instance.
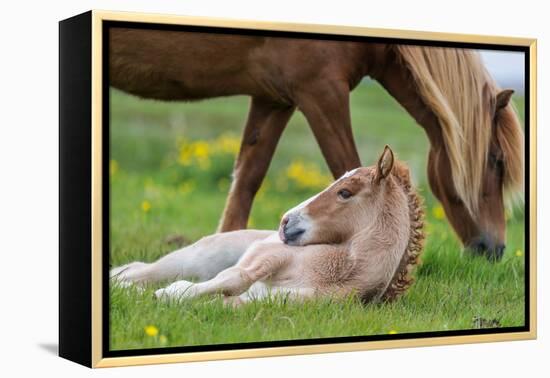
[(75, 183)]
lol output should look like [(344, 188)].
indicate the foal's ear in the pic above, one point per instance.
[(385, 164), (503, 98)]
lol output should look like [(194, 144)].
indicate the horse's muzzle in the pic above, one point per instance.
[(485, 246)]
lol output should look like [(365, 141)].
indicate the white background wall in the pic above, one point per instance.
[(29, 190)]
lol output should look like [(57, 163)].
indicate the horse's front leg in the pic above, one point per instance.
[(326, 107), (265, 124)]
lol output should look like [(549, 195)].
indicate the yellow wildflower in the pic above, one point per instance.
[(113, 167), (519, 253), (295, 170), (151, 330), (198, 151), (185, 156), (146, 206), (201, 149), (438, 212), (201, 153), (227, 144), (307, 175), (392, 332)]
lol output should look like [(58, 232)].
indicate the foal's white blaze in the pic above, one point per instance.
[(348, 174), (309, 200), (304, 221)]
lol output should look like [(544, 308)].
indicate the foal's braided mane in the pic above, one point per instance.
[(402, 279)]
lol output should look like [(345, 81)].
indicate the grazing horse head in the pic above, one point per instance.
[(348, 206), (476, 157)]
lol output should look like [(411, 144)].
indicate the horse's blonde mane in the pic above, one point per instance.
[(453, 83)]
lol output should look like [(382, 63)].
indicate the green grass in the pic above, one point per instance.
[(185, 203)]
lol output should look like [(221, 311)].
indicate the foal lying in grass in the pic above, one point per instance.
[(360, 236)]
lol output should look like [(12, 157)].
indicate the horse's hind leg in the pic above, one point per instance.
[(265, 124), (326, 108)]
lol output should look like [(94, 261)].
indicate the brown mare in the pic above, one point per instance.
[(476, 140)]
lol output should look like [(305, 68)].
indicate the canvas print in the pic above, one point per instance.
[(270, 188)]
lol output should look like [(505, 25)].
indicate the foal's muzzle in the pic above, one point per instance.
[(290, 230)]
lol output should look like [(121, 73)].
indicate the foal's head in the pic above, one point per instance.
[(349, 205)]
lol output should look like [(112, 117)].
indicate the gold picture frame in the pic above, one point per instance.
[(81, 320)]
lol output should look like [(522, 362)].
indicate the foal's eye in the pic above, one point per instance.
[(344, 193)]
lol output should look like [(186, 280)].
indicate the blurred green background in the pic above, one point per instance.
[(170, 172)]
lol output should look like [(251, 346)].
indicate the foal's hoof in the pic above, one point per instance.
[(160, 294), (178, 290), (233, 301), (163, 296)]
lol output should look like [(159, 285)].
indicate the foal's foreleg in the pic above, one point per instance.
[(230, 282), (260, 261), (266, 121), (326, 108)]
